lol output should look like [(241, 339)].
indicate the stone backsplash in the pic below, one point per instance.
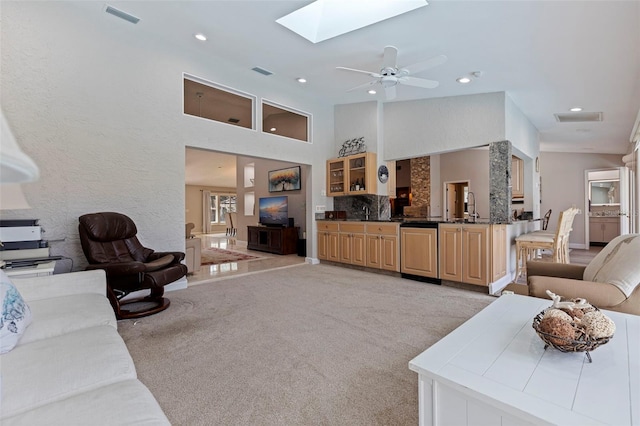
[(378, 205)]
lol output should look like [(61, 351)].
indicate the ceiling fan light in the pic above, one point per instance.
[(301, 80), (201, 37)]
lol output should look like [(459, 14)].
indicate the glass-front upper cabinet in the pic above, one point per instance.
[(336, 177), (604, 192), (353, 174)]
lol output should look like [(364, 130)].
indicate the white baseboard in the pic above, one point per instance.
[(495, 287), (312, 260), (578, 246)]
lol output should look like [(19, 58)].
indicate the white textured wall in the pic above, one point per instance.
[(519, 131), (356, 120), (98, 106), (430, 126), (563, 185)]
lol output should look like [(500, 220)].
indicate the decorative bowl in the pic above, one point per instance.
[(582, 343)]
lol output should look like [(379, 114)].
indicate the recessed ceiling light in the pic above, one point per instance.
[(575, 109), (273, 129), (372, 92), (302, 80), (201, 37), (463, 80)]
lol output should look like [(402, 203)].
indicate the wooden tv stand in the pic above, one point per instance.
[(278, 240)]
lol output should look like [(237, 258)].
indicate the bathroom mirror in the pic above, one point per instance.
[(604, 192)]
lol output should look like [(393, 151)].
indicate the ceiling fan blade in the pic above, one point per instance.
[(362, 86), (390, 92), (390, 57), (425, 65), (419, 82), (372, 74)]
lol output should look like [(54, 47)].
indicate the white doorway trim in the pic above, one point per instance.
[(446, 215)]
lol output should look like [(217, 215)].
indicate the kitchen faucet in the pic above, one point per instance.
[(366, 212), (473, 216)]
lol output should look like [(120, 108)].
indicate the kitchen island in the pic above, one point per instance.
[(478, 253)]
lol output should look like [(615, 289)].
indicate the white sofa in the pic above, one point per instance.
[(71, 366)]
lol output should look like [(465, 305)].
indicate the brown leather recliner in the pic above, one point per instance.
[(109, 242)]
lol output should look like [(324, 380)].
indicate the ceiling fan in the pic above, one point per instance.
[(391, 75)]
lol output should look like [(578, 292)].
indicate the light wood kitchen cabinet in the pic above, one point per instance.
[(498, 252), (419, 251), (450, 248), (328, 241), (468, 254), (352, 243), (383, 250), (603, 229), (336, 176), (373, 244), (354, 174), (517, 177), (475, 254)]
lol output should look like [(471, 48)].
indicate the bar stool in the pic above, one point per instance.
[(528, 244)]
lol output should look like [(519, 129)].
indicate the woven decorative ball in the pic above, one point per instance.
[(557, 336), (558, 330), (574, 313)]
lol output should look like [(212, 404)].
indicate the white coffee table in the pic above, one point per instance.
[(494, 370)]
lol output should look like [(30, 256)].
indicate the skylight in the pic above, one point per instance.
[(325, 19)]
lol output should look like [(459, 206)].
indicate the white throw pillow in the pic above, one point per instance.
[(617, 264), (16, 315)]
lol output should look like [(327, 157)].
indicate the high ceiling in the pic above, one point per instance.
[(548, 56), (207, 168)]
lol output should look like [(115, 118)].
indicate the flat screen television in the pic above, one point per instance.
[(274, 211)]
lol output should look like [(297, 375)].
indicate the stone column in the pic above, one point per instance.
[(421, 181), (500, 182)]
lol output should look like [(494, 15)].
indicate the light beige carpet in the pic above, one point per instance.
[(306, 345)]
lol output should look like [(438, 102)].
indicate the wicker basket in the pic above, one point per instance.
[(582, 343)]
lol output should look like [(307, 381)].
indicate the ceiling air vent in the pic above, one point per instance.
[(577, 117), (122, 15), (262, 71), (233, 120)]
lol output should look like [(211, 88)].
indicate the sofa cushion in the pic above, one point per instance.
[(16, 315), (124, 403), (49, 370), (61, 315), (617, 264)]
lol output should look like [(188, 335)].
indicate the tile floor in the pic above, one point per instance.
[(209, 273)]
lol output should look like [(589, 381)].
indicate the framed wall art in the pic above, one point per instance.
[(288, 179)]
